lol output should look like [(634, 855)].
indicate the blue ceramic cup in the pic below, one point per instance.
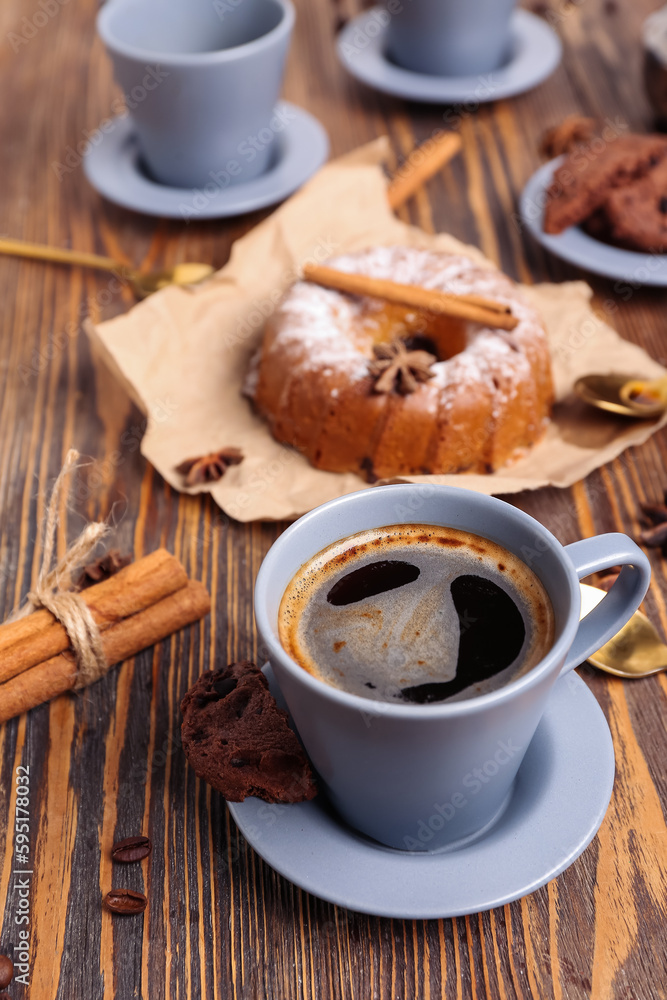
[(424, 777), (449, 37), (201, 79)]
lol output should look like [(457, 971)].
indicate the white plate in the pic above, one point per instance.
[(534, 54), (114, 169), (577, 247), (559, 800)]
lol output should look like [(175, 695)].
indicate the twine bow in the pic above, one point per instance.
[(53, 588)]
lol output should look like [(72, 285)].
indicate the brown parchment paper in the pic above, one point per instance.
[(182, 355)]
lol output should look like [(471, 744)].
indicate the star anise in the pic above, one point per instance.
[(209, 468), (656, 513), (655, 536), (102, 568), (397, 368)]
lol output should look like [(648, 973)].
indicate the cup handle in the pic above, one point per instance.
[(593, 554)]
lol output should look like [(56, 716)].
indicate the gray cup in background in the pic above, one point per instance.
[(201, 79), (449, 37)]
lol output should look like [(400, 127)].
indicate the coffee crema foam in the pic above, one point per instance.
[(416, 613)]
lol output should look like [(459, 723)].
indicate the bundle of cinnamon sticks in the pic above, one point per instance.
[(137, 607)]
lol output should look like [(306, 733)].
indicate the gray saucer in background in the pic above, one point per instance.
[(115, 170), (559, 800), (576, 247), (534, 53)]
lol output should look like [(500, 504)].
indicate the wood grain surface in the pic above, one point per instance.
[(107, 763)]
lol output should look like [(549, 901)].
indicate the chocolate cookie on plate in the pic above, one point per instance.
[(636, 215), (238, 740), (588, 175)]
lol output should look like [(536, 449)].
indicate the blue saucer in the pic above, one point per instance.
[(577, 247), (559, 800), (114, 169), (534, 54)]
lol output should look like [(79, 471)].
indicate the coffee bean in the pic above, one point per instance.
[(125, 901), (131, 849), (6, 971)]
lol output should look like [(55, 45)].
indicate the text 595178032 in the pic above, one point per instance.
[(22, 875)]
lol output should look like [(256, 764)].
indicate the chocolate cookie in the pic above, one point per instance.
[(636, 215), (588, 174), (238, 740), (597, 225), (573, 131)]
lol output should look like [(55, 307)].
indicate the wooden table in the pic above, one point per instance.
[(107, 763)]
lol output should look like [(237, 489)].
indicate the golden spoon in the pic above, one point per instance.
[(645, 394), (632, 397), (143, 284), (635, 651), (423, 163)]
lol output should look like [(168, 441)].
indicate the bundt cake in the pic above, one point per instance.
[(360, 385)]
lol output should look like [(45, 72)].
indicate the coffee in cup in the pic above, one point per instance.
[(416, 613), (388, 766)]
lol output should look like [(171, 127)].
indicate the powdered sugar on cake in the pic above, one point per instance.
[(317, 315), (320, 342)]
